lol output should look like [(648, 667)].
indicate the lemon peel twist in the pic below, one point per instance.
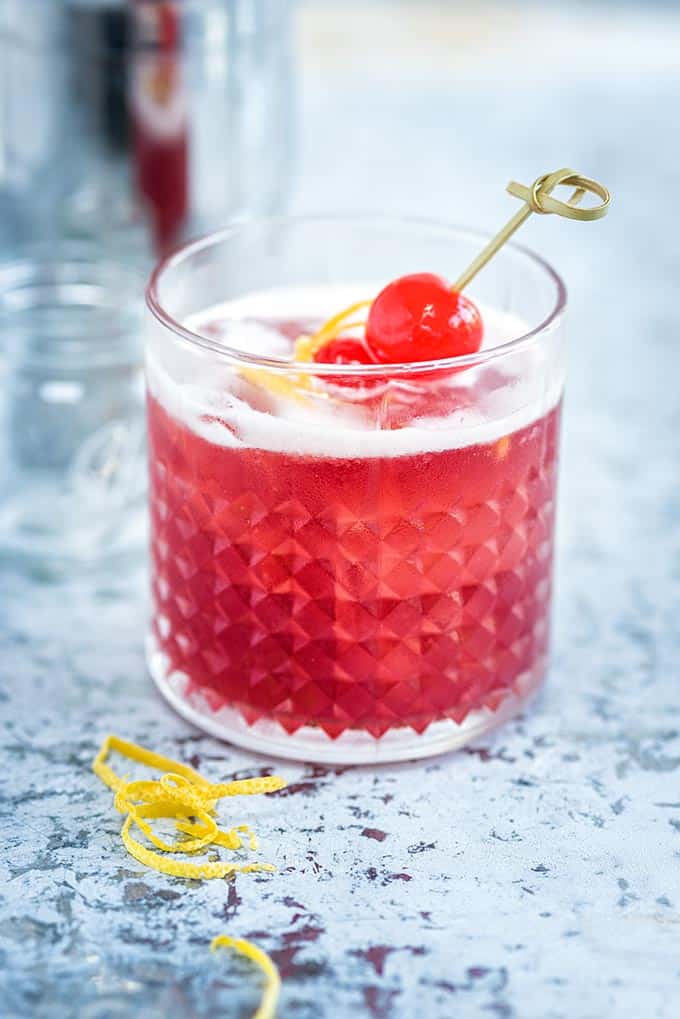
[(183, 794), (188, 798), (298, 385), (307, 346), (272, 985)]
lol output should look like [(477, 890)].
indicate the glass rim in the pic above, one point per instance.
[(185, 251), (68, 280)]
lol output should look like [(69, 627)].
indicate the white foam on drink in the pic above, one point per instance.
[(207, 404)]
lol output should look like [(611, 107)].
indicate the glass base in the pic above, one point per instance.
[(30, 539), (311, 744)]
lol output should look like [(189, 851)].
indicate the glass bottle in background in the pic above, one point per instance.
[(160, 120), (125, 126), (140, 122)]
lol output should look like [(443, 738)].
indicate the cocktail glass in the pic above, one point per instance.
[(348, 563)]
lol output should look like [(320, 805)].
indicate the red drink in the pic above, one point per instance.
[(351, 557), (344, 593)]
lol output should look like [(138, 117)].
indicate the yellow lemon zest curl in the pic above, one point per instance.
[(307, 346), (188, 798), (297, 385), (272, 986)]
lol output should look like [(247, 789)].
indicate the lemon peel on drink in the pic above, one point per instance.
[(501, 448), (272, 984), (183, 795), (307, 346), (291, 385), (298, 385)]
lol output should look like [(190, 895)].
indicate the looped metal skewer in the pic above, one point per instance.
[(538, 198)]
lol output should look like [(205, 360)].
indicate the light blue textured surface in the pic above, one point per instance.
[(535, 875)]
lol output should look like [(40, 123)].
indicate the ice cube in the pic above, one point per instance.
[(251, 336)]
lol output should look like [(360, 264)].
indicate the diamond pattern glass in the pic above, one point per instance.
[(365, 594)]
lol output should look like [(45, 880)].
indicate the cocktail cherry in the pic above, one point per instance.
[(350, 351), (419, 317), (414, 318)]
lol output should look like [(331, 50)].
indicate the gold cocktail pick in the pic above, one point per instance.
[(538, 198)]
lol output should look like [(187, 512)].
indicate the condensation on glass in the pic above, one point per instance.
[(360, 570)]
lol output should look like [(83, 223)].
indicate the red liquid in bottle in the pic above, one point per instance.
[(160, 121)]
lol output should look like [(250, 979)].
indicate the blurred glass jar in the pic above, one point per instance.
[(139, 122), (72, 442)]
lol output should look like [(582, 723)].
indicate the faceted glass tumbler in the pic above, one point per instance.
[(342, 584)]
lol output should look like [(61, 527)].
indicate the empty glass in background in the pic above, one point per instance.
[(72, 443), (125, 126)]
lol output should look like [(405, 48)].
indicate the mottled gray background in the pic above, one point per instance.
[(534, 875)]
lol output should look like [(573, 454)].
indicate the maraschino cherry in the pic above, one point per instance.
[(350, 351), (414, 318), (418, 318)]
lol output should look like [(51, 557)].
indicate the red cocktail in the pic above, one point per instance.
[(347, 566)]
